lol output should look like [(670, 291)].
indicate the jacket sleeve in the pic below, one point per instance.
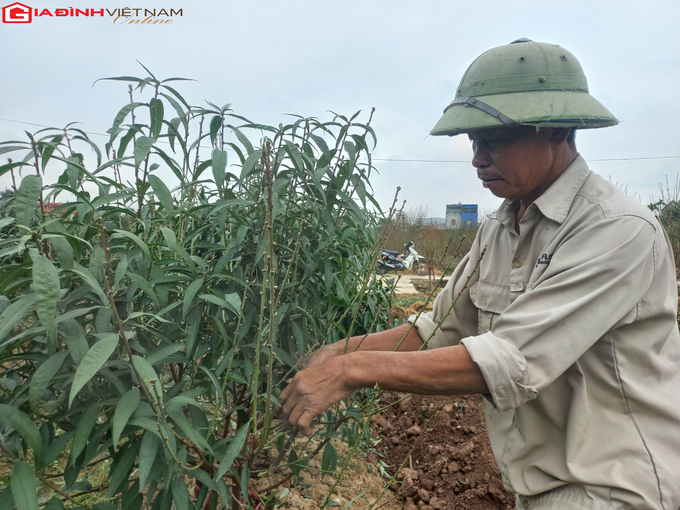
[(594, 281), (459, 317)]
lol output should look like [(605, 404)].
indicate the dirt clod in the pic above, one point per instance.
[(450, 457)]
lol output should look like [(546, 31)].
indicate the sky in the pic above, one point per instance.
[(269, 58)]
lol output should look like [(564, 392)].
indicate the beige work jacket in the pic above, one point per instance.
[(573, 325)]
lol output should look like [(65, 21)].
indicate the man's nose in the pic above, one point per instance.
[(480, 156)]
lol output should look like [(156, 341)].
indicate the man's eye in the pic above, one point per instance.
[(493, 141)]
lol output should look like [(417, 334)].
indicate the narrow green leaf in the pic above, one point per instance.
[(42, 377), (11, 417), (163, 194), (121, 269), (244, 140), (162, 354), (95, 358), (188, 429), (329, 460), (215, 126), (146, 287), (249, 164), (83, 431), (26, 201), (147, 455), (94, 284), (233, 450), (219, 165), (47, 287), (55, 504), (15, 312), (122, 233), (147, 374), (142, 148), (23, 487), (171, 239), (126, 406), (122, 469), (158, 113), (74, 336), (190, 294), (180, 494), (64, 251)]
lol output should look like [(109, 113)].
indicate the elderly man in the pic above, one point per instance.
[(566, 323)]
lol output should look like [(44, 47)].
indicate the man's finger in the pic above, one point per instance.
[(304, 424)]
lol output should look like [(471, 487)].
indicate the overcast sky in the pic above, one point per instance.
[(405, 58)]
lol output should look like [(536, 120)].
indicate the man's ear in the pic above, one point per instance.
[(559, 136)]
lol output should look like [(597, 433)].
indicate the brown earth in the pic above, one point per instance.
[(443, 446)]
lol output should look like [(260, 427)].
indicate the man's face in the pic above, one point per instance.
[(514, 163)]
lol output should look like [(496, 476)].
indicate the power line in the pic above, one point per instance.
[(395, 160)]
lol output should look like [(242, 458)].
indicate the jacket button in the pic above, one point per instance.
[(525, 504), (517, 263)]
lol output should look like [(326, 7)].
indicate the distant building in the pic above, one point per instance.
[(461, 215)]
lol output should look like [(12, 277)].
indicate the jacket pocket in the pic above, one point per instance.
[(491, 299)]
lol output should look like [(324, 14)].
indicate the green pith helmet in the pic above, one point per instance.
[(523, 83)]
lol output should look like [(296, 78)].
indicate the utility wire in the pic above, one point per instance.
[(394, 160)]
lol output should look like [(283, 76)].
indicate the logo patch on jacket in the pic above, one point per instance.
[(544, 259)]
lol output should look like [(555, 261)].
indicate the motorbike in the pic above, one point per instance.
[(392, 260)]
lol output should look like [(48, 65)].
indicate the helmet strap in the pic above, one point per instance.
[(476, 103)]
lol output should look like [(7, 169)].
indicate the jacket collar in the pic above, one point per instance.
[(556, 201)]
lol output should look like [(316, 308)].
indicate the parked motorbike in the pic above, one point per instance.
[(392, 260)]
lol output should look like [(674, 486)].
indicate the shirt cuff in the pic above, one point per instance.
[(504, 369), (425, 326)]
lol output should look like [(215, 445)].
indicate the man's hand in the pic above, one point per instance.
[(321, 355), (312, 391)]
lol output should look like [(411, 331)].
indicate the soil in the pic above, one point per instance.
[(443, 446)]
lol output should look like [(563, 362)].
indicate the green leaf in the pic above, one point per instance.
[(147, 373), (74, 336), (145, 286), (95, 358), (158, 111), (55, 504), (190, 294), (215, 126), (94, 284), (15, 419), (163, 194), (147, 455), (142, 148), (219, 165), (126, 406), (122, 468), (329, 460), (23, 487), (121, 269), (180, 494), (15, 312), (42, 377), (161, 354), (233, 450), (26, 201), (64, 251), (188, 429), (122, 233), (249, 164), (171, 239), (84, 429), (47, 287)]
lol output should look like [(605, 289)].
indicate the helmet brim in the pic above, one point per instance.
[(544, 108)]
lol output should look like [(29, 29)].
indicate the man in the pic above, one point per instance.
[(566, 323)]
